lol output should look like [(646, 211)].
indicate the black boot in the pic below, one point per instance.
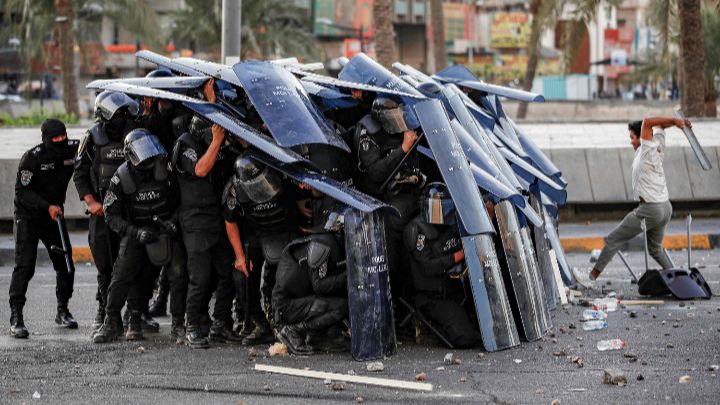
[(99, 319), (261, 334), (65, 318), (328, 340), (149, 325), (110, 330), (293, 336), (134, 330), (220, 332), (17, 324), (177, 328), (205, 325), (195, 338)]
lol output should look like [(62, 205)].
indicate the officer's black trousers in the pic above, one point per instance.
[(177, 279), (454, 322), (104, 245), (317, 312), (202, 260), (28, 232), (131, 275)]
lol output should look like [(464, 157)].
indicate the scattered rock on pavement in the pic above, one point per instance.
[(420, 377), (559, 353), (555, 402), (375, 366), (140, 349), (640, 377), (714, 367), (517, 361), (278, 349), (578, 361), (614, 376), (630, 355), (684, 379), (633, 314), (359, 400), (338, 386)]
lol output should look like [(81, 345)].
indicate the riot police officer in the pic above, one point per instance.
[(196, 158), (266, 202), (310, 293), (100, 154), (138, 207), (437, 262), (42, 179), (382, 140)]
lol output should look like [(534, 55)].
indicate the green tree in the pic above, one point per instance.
[(270, 28)]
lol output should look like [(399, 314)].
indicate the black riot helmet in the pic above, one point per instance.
[(436, 205), (142, 146), (200, 128), (160, 73), (259, 182), (108, 103), (389, 113)]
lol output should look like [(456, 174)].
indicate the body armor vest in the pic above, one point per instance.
[(108, 156), (147, 193), (441, 242), (195, 192)]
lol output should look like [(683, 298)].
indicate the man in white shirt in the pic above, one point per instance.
[(649, 188)]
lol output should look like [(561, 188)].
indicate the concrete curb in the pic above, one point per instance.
[(671, 242), (584, 244)]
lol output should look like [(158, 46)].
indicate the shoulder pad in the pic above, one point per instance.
[(426, 228), (370, 124), (183, 139), (36, 150), (317, 253), (410, 234), (126, 179), (295, 243), (98, 134), (83, 146), (160, 171)]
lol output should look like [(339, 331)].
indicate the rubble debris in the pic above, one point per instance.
[(578, 361), (633, 314), (640, 377), (359, 400), (714, 367), (684, 379), (420, 377), (670, 345), (140, 349), (451, 359), (632, 356), (338, 386), (555, 402), (559, 353), (614, 376), (375, 366), (577, 389), (463, 379), (278, 349), (266, 387), (517, 361), (253, 352), (36, 395)]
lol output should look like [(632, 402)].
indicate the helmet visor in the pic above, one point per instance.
[(116, 101), (393, 120), (264, 187), (143, 149), (439, 211)]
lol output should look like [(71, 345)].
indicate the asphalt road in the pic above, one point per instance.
[(63, 366)]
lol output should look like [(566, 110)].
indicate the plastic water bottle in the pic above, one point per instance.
[(612, 344), (595, 324), (590, 314), (605, 304)]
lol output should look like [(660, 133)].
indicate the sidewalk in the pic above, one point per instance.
[(575, 237)]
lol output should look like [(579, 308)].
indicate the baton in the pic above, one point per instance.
[(67, 250), (397, 168), (694, 144)]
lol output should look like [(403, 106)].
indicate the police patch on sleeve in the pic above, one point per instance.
[(190, 154), (115, 180), (231, 202), (110, 198), (365, 144), (322, 271), (420, 243), (25, 177)]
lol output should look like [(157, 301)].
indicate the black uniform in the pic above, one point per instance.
[(203, 232), (99, 156), (440, 297), (42, 180), (379, 153), (271, 225), (310, 288), (133, 199)]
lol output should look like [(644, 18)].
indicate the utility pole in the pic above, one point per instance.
[(231, 28)]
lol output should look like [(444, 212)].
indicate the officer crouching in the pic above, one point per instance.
[(138, 206), (438, 268)]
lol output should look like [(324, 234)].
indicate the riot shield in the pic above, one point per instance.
[(284, 106), (369, 298), (180, 84), (362, 69), (494, 313), (542, 249), (465, 78), (529, 302), (166, 62)]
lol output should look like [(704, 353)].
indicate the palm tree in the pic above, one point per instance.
[(438, 33), (711, 29), (270, 28), (385, 51), (40, 20), (692, 54)]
